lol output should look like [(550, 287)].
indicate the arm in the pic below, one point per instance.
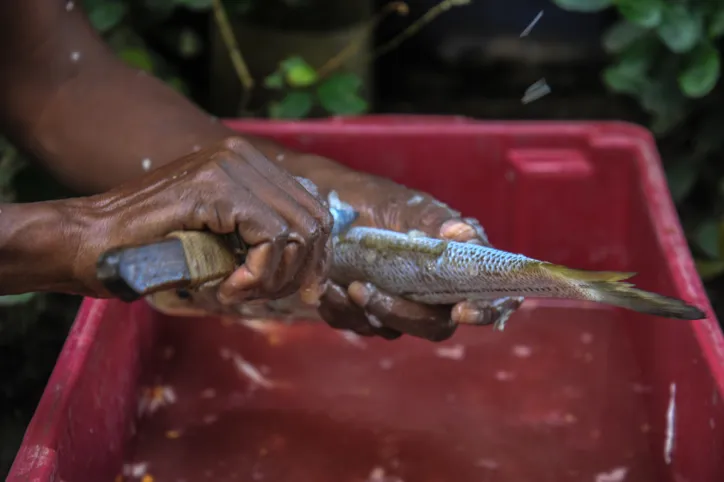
[(85, 115), (91, 120)]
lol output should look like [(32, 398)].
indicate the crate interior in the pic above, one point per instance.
[(557, 396), (568, 391)]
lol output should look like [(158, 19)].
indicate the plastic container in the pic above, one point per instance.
[(568, 391)]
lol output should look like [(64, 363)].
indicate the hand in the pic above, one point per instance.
[(367, 310), (228, 188)]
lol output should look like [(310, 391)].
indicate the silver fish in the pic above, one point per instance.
[(440, 272), (434, 271)]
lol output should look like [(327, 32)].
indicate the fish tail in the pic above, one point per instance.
[(608, 287)]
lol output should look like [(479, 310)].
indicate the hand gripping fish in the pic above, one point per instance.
[(438, 272)]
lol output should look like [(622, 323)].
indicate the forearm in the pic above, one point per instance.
[(86, 116), (38, 247), (82, 113)]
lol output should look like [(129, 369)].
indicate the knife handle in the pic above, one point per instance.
[(185, 260)]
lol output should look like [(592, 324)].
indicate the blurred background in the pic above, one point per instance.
[(653, 62)]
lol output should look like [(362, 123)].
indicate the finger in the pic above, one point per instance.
[(464, 231), (287, 262), (485, 312), (427, 217), (250, 280), (305, 213), (281, 178), (340, 313), (338, 307), (312, 289), (288, 184), (423, 321)]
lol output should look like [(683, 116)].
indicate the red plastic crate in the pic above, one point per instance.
[(588, 195)]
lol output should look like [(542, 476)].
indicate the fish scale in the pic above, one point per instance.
[(434, 271), (430, 270)]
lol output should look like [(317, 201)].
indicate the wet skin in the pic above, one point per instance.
[(91, 120)]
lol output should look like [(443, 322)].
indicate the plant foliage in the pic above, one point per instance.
[(666, 54)]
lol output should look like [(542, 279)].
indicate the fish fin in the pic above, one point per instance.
[(586, 276), (625, 295), (608, 287)]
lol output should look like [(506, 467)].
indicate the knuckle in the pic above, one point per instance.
[(279, 231), (309, 230), (326, 221)]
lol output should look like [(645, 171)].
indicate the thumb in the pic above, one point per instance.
[(465, 230)]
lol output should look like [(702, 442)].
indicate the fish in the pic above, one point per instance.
[(440, 272), (434, 271)]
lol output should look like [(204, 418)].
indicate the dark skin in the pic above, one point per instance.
[(91, 121)]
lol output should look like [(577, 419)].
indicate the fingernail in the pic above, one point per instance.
[(463, 314), (360, 293), (473, 317), (457, 230)]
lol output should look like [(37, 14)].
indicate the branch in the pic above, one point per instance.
[(429, 16), (354, 46), (237, 60)]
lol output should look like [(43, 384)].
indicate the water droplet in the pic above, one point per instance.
[(374, 321), (386, 364), (504, 376), (455, 352), (522, 351)]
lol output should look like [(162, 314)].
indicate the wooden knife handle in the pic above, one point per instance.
[(185, 260)]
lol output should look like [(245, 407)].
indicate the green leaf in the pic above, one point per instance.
[(716, 24), (702, 71), (274, 81), (583, 5), (707, 238), (294, 105), (298, 72), (621, 80), (629, 75), (137, 57), (621, 35), (339, 95), (106, 15), (12, 300), (680, 29), (646, 13), (662, 98)]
